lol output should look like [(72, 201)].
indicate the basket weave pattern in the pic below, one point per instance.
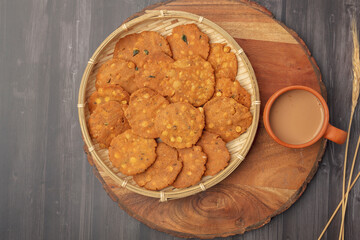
[(163, 22)]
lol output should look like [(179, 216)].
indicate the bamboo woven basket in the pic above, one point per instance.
[(163, 21)]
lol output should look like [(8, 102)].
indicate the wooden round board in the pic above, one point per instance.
[(272, 177)]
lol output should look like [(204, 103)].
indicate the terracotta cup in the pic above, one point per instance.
[(327, 131)]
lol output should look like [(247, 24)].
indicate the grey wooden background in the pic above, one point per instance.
[(47, 188)]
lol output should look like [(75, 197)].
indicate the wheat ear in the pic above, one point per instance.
[(355, 96)]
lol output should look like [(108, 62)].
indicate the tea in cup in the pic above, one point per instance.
[(298, 116)]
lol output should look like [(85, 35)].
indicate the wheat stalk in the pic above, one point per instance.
[(356, 65), (339, 205), (347, 193), (354, 100)]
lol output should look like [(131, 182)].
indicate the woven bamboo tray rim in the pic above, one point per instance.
[(100, 56)]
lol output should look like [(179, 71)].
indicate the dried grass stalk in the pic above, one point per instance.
[(355, 96), (354, 101), (339, 205), (356, 66)]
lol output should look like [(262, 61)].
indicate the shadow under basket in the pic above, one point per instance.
[(163, 21)]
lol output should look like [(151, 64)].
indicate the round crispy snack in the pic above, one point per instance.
[(225, 87), (190, 80), (216, 151), (179, 124), (223, 61), (227, 118), (137, 47), (153, 72), (106, 94), (194, 160), (107, 121), (117, 72), (164, 170), (188, 40), (144, 105), (132, 154)]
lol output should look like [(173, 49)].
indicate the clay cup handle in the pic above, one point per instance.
[(335, 135)]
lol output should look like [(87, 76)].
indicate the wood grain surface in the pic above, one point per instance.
[(48, 190), (272, 177)]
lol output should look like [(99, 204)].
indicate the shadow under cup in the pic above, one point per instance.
[(298, 116)]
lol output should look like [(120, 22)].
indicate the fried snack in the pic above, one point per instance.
[(227, 118), (106, 94), (190, 80), (106, 122), (225, 87), (188, 40), (164, 170), (153, 72), (144, 105), (216, 151), (132, 154), (180, 125), (223, 61), (117, 72), (194, 160), (137, 47)]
